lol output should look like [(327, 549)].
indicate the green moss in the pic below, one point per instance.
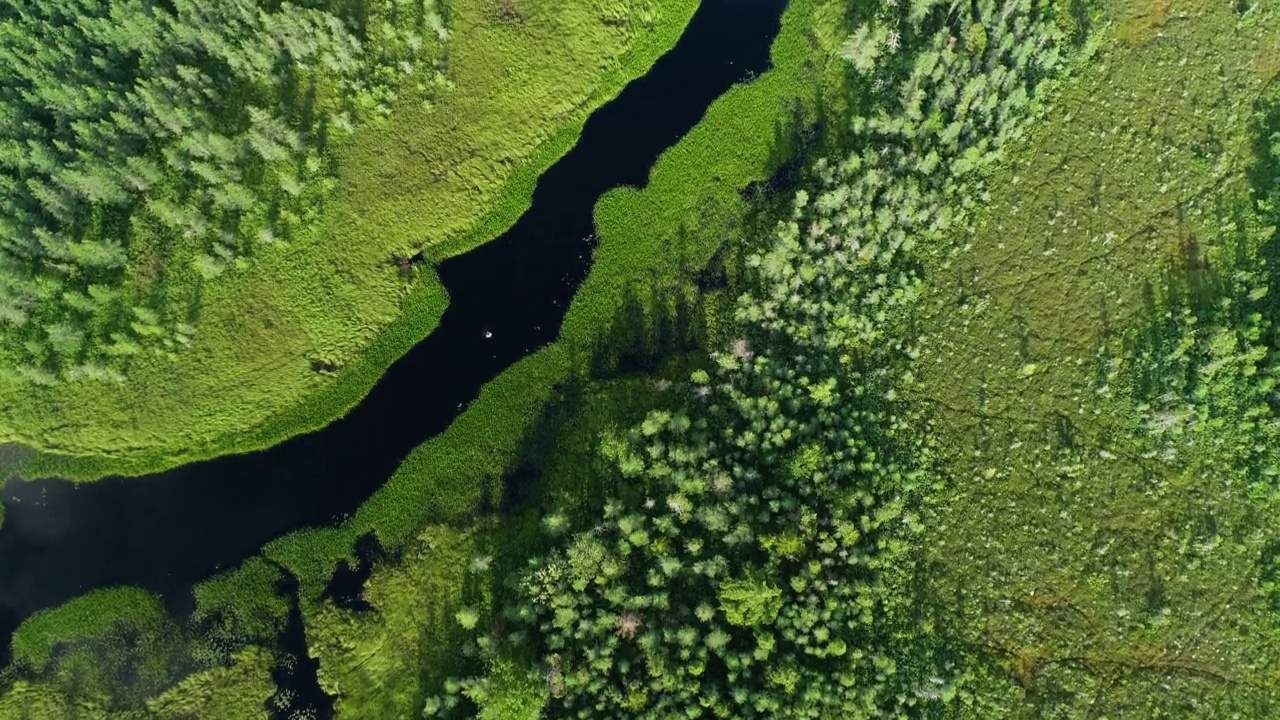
[(444, 180)]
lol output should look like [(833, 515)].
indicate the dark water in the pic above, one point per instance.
[(296, 674), (167, 531)]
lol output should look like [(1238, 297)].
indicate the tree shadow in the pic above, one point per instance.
[(1226, 283)]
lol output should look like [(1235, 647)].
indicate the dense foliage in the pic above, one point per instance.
[(142, 141), (756, 561)]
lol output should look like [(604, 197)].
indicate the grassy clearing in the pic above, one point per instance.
[(1099, 582), (444, 180)]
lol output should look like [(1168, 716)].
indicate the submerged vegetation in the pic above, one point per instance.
[(931, 375)]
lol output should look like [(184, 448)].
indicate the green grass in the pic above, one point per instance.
[(442, 480), (117, 648), (239, 690), (377, 662), (1060, 552), (443, 181)]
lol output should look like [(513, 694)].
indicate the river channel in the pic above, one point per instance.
[(167, 531)]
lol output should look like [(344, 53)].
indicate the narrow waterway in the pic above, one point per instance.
[(167, 531)]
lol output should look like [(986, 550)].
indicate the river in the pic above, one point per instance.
[(167, 531)]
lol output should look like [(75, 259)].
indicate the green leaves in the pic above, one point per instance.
[(864, 46), (467, 618), (749, 602), (508, 692)]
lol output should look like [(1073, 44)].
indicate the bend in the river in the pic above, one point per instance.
[(165, 532)]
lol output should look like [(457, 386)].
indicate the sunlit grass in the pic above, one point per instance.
[(378, 661)]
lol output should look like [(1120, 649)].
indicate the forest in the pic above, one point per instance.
[(137, 134), (932, 374)]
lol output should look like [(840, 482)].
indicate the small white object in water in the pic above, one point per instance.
[(488, 334)]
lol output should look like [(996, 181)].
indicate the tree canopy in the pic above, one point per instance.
[(139, 135)]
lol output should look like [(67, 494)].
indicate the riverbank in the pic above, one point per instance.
[(646, 249), (167, 531), (542, 418), (446, 478), (437, 182)]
